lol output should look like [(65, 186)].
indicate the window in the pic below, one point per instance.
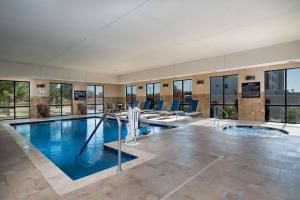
[(223, 95), (153, 93), (95, 98), (14, 99), (130, 94), (60, 99), (282, 98), (182, 90)]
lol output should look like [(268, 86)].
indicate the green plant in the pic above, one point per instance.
[(231, 111), (291, 114), (6, 95)]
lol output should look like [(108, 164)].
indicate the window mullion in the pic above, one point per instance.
[(153, 91), (285, 94), (61, 99), (222, 105), (182, 94), (14, 99), (95, 102)]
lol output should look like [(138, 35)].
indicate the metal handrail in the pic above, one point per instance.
[(216, 108), (224, 112), (119, 138)]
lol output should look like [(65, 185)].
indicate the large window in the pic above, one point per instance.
[(153, 93), (95, 99), (182, 91), (60, 99), (224, 95), (14, 99), (282, 92), (130, 94)]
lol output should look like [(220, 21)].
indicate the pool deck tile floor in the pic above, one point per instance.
[(192, 162)]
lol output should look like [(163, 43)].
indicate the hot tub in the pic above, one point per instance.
[(254, 131)]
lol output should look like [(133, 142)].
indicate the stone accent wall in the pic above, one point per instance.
[(252, 109), (141, 100), (75, 106), (82, 87), (34, 101)]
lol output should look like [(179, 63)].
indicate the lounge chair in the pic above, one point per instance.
[(157, 109), (148, 114), (175, 106), (134, 103), (174, 109), (193, 109), (159, 105), (147, 105)]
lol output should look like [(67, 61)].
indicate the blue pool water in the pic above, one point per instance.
[(60, 141)]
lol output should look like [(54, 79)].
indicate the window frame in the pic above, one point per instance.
[(285, 105), (152, 100), (223, 104), (95, 104), (61, 105), (182, 102), (14, 105), (130, 96)]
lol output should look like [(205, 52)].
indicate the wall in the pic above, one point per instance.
[(11, 69), (248, 62), (250, 109), (270, 55), (275, 54), (112, 93)]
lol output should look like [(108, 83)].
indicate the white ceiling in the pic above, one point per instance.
[(125, 36)]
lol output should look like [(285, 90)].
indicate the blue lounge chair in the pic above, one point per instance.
[(147, 105), (134, 103), (193, 106), (193, 109), (159, 105), (175, 106), (174, 110), (148, 114)]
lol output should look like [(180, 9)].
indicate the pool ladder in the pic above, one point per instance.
[(216, 114), (105, 115)]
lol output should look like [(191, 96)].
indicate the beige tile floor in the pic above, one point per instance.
[(193, 162)]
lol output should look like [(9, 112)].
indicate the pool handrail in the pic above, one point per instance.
[(119, 137), (215, 114)]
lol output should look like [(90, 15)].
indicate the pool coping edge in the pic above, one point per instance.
[(57, 179)]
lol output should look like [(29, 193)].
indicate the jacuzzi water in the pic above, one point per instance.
[(60, 141), (254, 131)]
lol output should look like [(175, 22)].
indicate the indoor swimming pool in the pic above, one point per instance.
[(61, 140)]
